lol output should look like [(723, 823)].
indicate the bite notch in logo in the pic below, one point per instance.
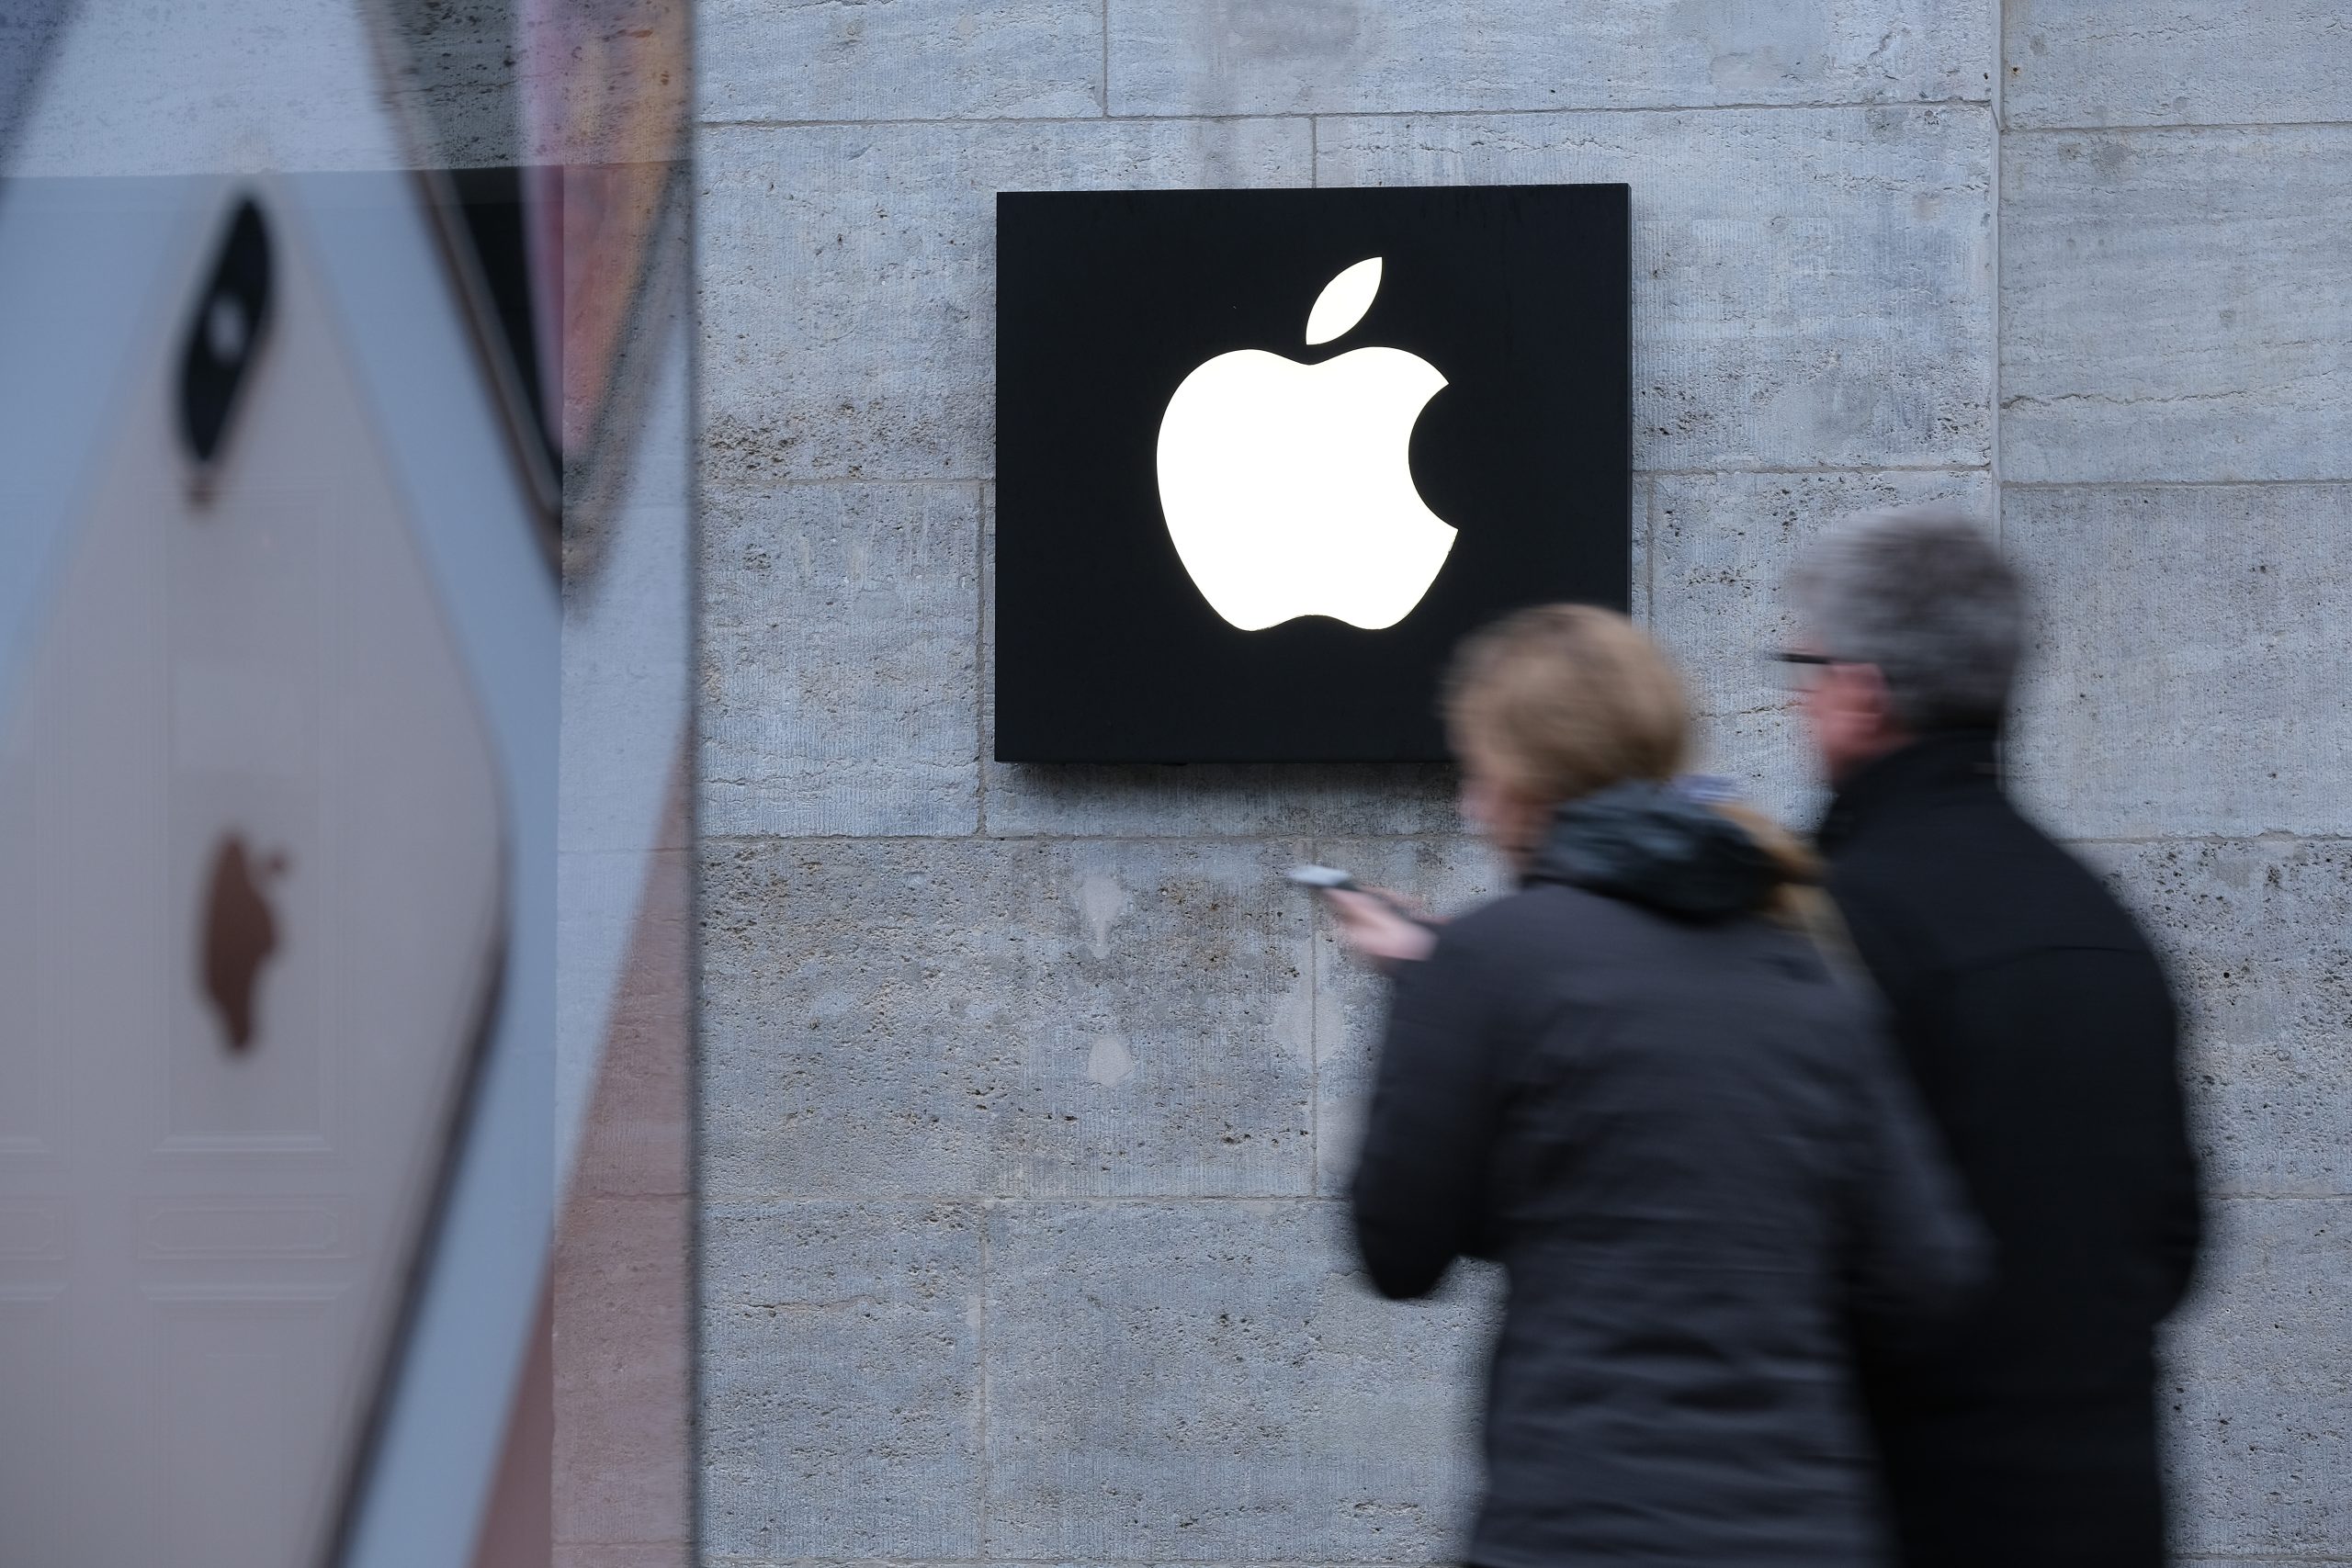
[(1288, 488)]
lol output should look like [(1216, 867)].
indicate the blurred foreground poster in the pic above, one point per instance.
[(344, 1021)]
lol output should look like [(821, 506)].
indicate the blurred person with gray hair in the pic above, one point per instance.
[(2040, 1030)]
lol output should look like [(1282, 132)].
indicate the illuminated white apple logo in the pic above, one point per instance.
[(1287, 487)]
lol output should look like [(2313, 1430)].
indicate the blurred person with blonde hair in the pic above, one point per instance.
[(1636, 1085)]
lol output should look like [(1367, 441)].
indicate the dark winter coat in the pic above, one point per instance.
[(1696, 1163), (2040, 1030)]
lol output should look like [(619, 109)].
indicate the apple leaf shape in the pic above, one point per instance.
[(1343, 301)]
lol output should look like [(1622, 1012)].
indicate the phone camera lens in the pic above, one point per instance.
[(225, 328), (232, 316)]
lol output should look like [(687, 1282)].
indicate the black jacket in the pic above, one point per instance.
[(1695, 1162), (2040, 1030)]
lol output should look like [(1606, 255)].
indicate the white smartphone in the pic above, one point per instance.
[(1331, 879), (252, 903)]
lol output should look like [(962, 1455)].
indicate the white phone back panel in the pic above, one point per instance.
[(216, 1240)]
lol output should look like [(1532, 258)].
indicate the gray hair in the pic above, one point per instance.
[(1922, 594)]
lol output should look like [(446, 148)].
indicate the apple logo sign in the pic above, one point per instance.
[(1264, 458), (238, 936), (1286, 486)]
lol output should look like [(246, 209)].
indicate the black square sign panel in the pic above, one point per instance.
[(1264, 458)]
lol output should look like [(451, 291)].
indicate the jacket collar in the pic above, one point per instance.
[(1654, 844), (1966, 760)]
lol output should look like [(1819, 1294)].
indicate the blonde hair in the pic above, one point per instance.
[(1560, 701)]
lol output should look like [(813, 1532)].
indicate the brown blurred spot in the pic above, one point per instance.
[(239, 934)]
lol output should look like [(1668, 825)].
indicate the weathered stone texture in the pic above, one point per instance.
[(848, 278), (976, 1016), (841, 1383), (1765, 752), (815, 60), (2261, 1437), (1224, 57), (624, 1347), (2174, 305), (1811, 287), (2258, 936), (1212, 1380), (612, 1555), (27, 29), (2097, 62), (840, 657), (453, 67), (2185, 671)]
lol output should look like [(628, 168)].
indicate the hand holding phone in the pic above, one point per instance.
[(1372, 921)]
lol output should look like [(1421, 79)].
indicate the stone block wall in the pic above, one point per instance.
[(1027, 1092), (2176, 312)]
